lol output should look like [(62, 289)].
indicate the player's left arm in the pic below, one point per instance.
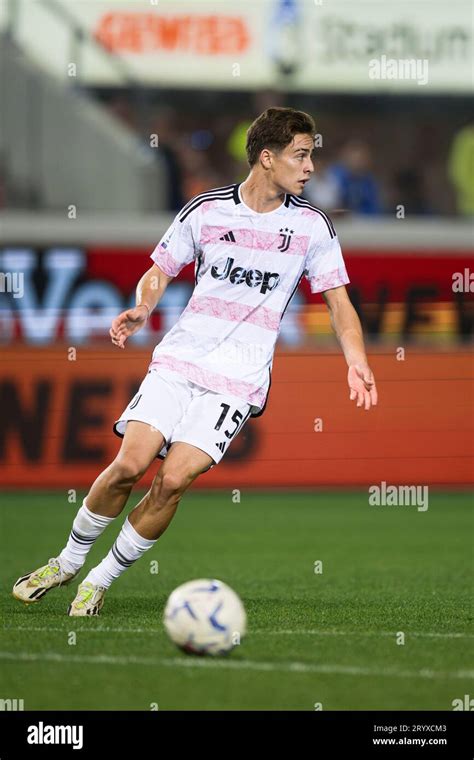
[(346, 324)]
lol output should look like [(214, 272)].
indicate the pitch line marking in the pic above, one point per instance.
[(289, 667), (307, 632)]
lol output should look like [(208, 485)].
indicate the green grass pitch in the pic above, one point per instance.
[(329, 638)]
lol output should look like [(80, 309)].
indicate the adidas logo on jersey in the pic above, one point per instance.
[(251, 277), (221, 446), (229, 236)]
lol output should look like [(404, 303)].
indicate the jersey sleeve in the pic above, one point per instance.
[(325, 267), (178, 246)]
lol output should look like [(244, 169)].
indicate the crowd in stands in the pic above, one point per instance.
[(371, 159), (373, 155)]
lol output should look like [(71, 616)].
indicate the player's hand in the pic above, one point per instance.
[(127, 323), (362, 385)]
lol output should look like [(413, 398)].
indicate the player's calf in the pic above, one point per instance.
[(153, 514), (144, 525)]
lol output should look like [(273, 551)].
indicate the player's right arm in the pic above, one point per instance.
[(176, 248), (149, 292)]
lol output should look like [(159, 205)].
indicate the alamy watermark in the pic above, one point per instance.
[(11, 705), (398, 496), (399, 68), (464, 703), (236, 353), (463, 282), (42, 733), (12, 282)]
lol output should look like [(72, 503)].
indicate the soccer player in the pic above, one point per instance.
[(251, 243)]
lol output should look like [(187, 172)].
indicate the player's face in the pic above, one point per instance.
[(293, 166)]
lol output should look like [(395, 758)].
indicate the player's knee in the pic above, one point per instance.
[(171, 484), (126, 471)]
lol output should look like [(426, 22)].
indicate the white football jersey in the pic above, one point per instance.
[(247, 268)]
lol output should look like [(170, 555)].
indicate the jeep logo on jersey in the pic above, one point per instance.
[(251, 277)]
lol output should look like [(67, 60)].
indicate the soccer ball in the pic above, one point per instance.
[(205, 617)]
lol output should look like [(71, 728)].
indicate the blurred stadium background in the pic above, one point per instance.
[(114, 114)]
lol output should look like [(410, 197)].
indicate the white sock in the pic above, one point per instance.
[(128, 547), (86, 527)]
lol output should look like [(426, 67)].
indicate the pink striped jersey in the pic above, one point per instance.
[(247, 268)]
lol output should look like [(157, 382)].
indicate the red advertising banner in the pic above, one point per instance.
[(72, 293), (57, 417)]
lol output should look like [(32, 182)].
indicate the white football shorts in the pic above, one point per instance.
[(184, 411)]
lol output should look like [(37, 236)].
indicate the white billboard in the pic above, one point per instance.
[(422, 46)]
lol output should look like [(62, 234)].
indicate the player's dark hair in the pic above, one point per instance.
[(274, 129)]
